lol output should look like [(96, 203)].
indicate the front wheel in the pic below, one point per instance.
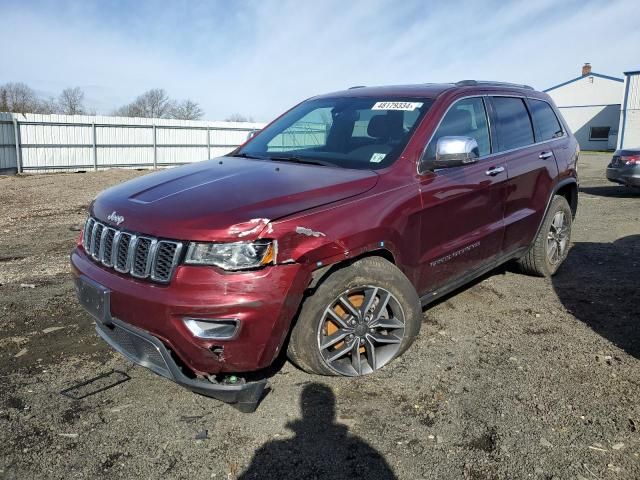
[(551, 245), (358, 320)]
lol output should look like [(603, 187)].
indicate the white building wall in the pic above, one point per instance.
[(630, 116), (589, 90), (581, 119), (590, 101)]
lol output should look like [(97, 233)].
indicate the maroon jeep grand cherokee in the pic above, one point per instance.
[(327, 232)]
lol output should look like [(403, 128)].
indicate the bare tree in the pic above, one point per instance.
[(19, 98), (4, 100), (156, 103), (71, 101), (186, 110), (47, 107), (153, 103), (238, 117), (124, 111)]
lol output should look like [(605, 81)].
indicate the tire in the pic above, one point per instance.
[(375, 337), (538, 260)]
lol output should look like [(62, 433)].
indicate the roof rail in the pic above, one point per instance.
[(357, 86), (473, 83)]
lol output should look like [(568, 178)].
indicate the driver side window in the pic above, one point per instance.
[(466, 118)]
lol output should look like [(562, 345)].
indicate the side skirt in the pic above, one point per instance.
[(434, 295)]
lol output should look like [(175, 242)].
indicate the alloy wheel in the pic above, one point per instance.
[(361, 330), (557, 238)]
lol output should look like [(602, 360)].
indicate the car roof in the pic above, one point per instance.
[(428, 90)]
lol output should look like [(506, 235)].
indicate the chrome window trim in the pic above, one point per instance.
[(489, 124)]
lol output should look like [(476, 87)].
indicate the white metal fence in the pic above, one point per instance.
[(34, 142)]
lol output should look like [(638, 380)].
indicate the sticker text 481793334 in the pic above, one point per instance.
[(406, 106)]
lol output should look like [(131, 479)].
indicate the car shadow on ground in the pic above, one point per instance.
[(613, 191), (320, 448), (598, 284)]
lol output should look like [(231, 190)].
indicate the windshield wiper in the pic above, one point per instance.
[(248, 155), (294, 159)]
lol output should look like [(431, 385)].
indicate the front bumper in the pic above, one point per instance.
[(626, 175), (144, 349), (264, 301)]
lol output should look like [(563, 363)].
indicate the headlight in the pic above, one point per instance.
[(231, 256)]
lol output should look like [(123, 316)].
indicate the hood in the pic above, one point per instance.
[(226, 198)]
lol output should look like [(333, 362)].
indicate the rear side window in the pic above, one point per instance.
[(512, 123), (466, 118), (545, 120)]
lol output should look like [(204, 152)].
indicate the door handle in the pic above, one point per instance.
[(545, 155), (493, 171)]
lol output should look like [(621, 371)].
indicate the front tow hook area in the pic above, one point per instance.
[(145, 350)]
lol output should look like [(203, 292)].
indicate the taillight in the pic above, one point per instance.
[(630, 159)]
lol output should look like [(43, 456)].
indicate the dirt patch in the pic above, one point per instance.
[(512, 377)]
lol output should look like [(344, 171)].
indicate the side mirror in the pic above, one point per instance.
[(455, 151)]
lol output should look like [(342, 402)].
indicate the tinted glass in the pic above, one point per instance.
[(512, 123), (599, 133), (350, 132), (466, 118), (545, 120)]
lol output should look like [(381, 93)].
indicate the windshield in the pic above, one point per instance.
[(349, 132)]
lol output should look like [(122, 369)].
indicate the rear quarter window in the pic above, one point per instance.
[(513, 124), (545, 120)]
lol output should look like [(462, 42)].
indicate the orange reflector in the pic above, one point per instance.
[(268, 256)]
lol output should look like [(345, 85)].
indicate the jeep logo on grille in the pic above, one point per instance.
[(115, 218)]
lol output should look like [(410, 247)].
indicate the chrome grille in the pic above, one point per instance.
[(121, 261), (162, 264), (96, 240), (137, 255), (108, 234)]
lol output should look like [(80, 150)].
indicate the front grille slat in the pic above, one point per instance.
[(122, 254), (107, 246), (96, 241), (137, 255), (141, 257), (165, 260), (88, 230)]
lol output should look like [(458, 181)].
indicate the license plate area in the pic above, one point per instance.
[(94, 298)]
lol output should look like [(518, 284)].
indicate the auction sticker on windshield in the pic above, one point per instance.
[(406, 106), (377, 157)]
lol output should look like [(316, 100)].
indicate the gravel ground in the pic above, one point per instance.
[(512, 377)]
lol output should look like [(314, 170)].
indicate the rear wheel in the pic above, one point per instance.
[(551, 245), (358, 320)]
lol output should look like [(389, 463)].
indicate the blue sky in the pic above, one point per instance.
[(260, 57)]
